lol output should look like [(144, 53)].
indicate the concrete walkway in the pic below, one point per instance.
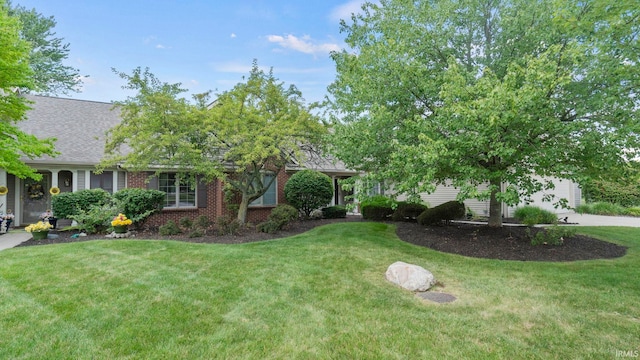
[(13, 238)]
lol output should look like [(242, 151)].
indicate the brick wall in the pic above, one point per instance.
[(215, 202)]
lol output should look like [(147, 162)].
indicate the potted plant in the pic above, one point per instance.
[(120, 224), (39, 230), (47, 216)]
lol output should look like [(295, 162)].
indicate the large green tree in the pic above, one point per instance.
[(488, 92), (255, 128), (15, 73), (48, 53)]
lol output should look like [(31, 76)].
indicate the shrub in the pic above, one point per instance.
[(72, 203), (532, 215), (625, 193), (448, 211), (138, 204), (202, 222), (334, 212), (279, 217), (196, 233), (170, 228), (186, 222), (634, 211), (96, 219), (553, 235), (408, 211), (602, 208), (227, 225), (308, 190), (377, 208)]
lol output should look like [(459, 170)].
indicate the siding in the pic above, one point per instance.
[(444, 193), (81, 180), (564, 189)]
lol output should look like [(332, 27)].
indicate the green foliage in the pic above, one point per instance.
[(202, 222), (624, 192), (48, 53), (138, 204), (602, 208), (65, 205), (279, 217), (474, 93), (406, 211), (377, 208), (448, 211), (227, 225), (256, 126), (95, 218), (169, 228), (552, 235), (308, 190), (16, 73), (186, 222), (196, 233), (532, 215), (334, 212), (633, 211)]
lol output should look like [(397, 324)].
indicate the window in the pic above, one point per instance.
[(270, 197), (102, 181), (178, 192)]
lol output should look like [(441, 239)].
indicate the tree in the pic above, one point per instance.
[(15, 73), (308, 190), (488, 92), (255, 128), (50, 75)]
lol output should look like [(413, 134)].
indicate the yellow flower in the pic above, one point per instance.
[(121, 220), (39, 226), (54, 190)]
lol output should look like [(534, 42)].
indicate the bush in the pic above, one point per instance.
[(448, 211), (186, 223), (377, 208), (138, 204), (170, 228), (532, 215), (334, 212), (553, 235), (72, 203), (280, 217), (621, 193), (602, 208), (97, 219), (196, 233), (227, 225), (408, 211), (634, 211), (202, 222), (308, 190)]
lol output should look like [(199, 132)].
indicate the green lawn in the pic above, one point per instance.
[(318, 295)]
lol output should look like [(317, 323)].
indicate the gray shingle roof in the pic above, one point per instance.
[(79, 126)]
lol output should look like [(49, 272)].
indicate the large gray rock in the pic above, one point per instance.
[(409, 276)]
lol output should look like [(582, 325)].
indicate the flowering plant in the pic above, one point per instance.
[(39, 226), (45, 216), (120, 220)]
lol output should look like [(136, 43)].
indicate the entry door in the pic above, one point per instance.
[(35, 198)]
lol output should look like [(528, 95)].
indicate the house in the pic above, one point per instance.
[(79, 127)]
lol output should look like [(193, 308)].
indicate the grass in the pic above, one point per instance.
[(604, 208), (318, 295)]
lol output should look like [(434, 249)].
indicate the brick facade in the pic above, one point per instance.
[(215, 204)]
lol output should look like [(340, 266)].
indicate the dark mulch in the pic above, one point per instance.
[(506, 243)]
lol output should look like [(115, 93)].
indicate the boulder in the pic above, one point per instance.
[(409, 276)]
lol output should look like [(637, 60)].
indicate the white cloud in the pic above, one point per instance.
[(344, 11), (241, 68), (305, 44), (233, 35)]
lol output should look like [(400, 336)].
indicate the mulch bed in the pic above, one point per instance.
[(506, 243)]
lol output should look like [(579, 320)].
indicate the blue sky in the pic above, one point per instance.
[(205, 45)]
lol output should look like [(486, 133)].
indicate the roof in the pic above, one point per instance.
[(79, 126)]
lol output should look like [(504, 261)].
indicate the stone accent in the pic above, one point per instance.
[(409, 276)]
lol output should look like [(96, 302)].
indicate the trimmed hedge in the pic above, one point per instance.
[(308, 190), (68, 204), (377, 208), (138, 204), (334, 212), (444, 212), (279, 217), (408, 211)]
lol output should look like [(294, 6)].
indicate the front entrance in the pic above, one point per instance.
[(35, 198)]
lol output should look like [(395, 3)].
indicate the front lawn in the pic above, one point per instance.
[(317, 295)]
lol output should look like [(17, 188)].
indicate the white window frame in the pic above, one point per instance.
[(260, 201), (188, 190)]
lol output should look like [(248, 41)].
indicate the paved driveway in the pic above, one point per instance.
[(599, 220)]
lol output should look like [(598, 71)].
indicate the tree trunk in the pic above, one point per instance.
[(242, 209), (495, 206)]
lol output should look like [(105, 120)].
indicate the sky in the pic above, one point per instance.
[(204, 45)]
